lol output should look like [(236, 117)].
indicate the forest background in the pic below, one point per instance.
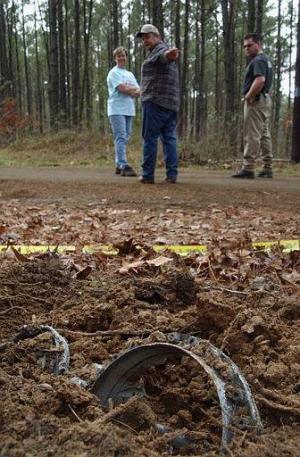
[(55, 56)]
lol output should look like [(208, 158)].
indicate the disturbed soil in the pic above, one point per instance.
[(243, 300)]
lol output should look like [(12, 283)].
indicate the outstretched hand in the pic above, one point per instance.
[(172, 54)]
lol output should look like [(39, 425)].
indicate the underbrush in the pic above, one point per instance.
[(95, 148)]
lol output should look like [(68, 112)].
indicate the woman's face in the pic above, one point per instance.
[(121, 59)]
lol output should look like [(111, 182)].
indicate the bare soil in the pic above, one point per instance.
[(244, 301)]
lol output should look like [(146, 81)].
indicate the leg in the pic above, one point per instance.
[(266, 142), (118, 124), (253, 129), (127, 170), (129, 120), (151, 131), (168, 136)]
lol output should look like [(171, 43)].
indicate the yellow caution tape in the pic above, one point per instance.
[(287, 245), (181, 249), (25, 250)]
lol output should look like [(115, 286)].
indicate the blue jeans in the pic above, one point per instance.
[(122, 127), (159, 122)]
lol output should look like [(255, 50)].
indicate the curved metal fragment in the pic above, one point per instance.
[(237, 404), (61, 364)]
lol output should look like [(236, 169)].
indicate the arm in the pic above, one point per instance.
[(129, 89), (255, 89)]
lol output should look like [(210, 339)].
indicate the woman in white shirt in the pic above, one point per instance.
[(122, 89)]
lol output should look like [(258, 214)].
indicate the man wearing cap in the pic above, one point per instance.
[(160, 102)]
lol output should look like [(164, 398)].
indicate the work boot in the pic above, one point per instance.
[(127, 171), (170, 180), (244, 174), (265, 173), (117, 171), (145, 180)]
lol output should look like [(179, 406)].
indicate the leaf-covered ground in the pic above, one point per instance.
[(243, 301)]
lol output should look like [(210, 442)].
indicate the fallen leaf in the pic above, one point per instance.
[(292, 277), (131, 266), (19, 256), (84, 272), (159, 261)]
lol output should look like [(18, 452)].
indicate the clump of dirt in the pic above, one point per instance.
[(136, 413), (178, 289)]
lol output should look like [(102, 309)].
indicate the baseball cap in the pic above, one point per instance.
[(147, 28)]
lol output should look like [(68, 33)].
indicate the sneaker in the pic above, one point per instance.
[(127, 171), (145, 180), (244, 174), (170, 180), (265, 173), (118, 171)]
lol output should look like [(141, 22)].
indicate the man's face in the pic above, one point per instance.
[(121, 59), (251, 48), (149, 40)]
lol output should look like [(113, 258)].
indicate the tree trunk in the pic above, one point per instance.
[(228, 15), (197, 81), (296, 117), (85, 93), (62, 64), (177, 34), (291, 25), (75, 69), (11, 63), (184, 91), (101, 103), (277, 92), (251, 16), (158, 16), (68, 70), (115, 23), (18, 67), (27, 78), (199, 69), (38, 79), (89, 103), (217, 72), (53, 60), (259, 16), (4, 68)]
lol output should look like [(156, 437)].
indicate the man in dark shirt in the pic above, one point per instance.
[(257, 110), (160, 102)]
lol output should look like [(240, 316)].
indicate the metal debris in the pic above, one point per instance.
[(116, 383), (62, 358)]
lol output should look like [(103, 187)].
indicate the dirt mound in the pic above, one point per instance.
[(244, 302)]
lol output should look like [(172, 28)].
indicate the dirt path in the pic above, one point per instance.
[(194, 189)]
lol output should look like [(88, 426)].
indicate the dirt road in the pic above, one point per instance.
[(194, 188)]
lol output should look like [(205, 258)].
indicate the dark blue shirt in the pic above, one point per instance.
[(260, 65)]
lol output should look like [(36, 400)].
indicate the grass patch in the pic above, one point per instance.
[(61, 149)]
